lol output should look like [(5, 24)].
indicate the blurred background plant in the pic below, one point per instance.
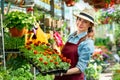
[(109, 15)]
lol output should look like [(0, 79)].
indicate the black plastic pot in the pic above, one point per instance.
[(12, 50)]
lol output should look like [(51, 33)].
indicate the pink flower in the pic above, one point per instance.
[(58, 39)]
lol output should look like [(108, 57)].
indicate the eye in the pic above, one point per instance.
[(78, 18), (85, 21)]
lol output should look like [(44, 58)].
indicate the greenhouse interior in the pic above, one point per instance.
[(35, 36)]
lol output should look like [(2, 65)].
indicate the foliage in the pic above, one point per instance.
[(76, 0), (11, 42), (19, 20), (92, 72), (117, 37), (65, 31), (115, 67), (17, 69), (116, 72), (47, 77), (38, 14), (116, 76), (104, 42)]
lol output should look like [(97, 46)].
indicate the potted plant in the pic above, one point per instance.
[(19, 21)]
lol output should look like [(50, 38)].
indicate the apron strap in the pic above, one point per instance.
[(82, 39)]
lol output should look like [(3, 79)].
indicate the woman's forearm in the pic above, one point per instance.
[(74, 70)]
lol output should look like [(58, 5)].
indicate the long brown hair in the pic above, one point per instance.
[(90, 30)]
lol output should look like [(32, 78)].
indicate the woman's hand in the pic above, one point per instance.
[(71, 71)]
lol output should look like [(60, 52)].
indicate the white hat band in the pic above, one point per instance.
[(83, 14)]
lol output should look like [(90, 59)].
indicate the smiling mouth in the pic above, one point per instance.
[(80, 26)]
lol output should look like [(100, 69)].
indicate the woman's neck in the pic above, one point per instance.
[(79, 32)]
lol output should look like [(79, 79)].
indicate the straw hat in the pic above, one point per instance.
[(87, 14)]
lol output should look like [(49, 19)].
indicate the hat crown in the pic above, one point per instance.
[(90, 12), (87, 14)]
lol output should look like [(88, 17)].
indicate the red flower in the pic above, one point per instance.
[(45, 63), (43, 43), (50, 53), (28, 47), (68, 60), (48, 44), (61, 56), (44, 53), (51, 60), (29, 42), (56, 63), (41, 59), (35, 52), (64, 59), (29, 9), (39, 42), (36, 44)]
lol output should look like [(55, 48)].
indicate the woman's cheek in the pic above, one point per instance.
[(77, 23)]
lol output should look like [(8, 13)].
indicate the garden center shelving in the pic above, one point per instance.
[(2, 48)]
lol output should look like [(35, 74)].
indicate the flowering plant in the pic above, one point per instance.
[(58, 39), (44, 57), (106, 16)]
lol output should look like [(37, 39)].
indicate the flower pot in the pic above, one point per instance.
[(14, 32)]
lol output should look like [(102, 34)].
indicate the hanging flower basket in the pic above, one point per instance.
[(70, 3), (98, 4), (14, 32)]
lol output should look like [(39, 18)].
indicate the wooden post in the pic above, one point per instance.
[(52, 8), (63, 10)]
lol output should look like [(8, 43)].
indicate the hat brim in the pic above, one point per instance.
[(84, 17)]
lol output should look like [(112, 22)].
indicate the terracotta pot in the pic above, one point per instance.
[(14, 32)]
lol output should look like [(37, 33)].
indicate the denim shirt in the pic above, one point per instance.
[(85, 49)]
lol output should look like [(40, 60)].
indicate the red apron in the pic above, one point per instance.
[(70, 51)]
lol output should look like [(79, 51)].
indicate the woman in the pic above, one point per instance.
[(79, 47)]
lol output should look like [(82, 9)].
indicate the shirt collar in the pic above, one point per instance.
[(79, 35)]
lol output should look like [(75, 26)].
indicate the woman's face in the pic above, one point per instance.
[(82, 25)]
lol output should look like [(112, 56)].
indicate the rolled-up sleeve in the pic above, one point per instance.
[(85, 50)]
